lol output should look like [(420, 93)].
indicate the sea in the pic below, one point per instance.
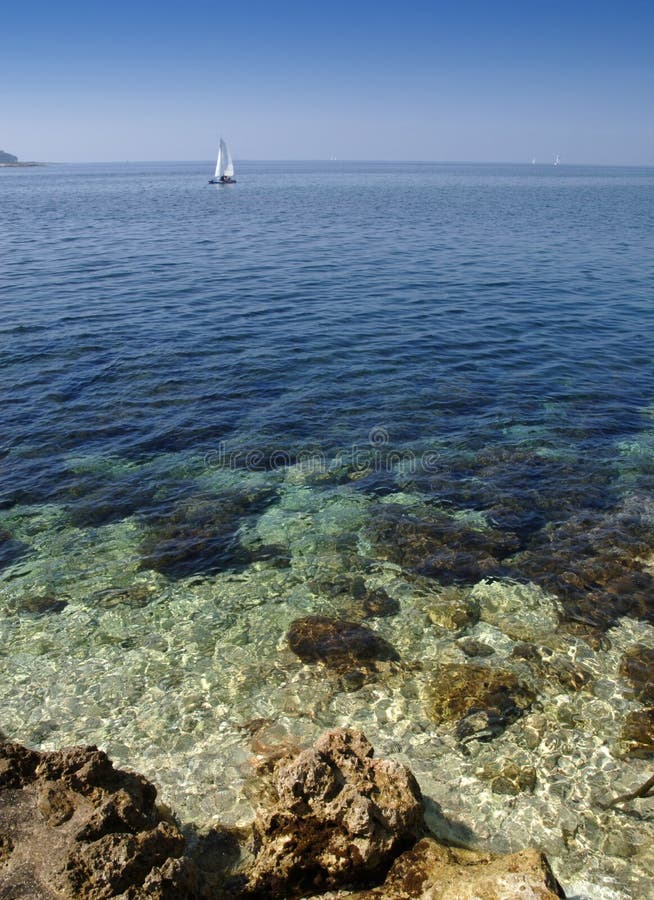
[(415, 400)]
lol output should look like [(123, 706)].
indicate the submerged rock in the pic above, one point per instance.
[(547, 665), (40, 604), (359, 601), (472, 647), (637, 667), (342, 817), (11, 550), (200, 534), (507, 776), (482, 700), (637, 736), (440, 547), (339, 644), (594, 564)]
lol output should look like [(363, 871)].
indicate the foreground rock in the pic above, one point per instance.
[(433, 872), (73, 826), (342, 817)]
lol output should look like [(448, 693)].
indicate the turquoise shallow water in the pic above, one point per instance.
[(228, 408)]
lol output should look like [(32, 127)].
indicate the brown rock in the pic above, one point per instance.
[(434, 872), (441, 547), (637, 737), (74, 826), (339, 644), (342, 817), (482, 699), (638, 668)]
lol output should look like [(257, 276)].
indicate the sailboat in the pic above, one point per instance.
[(557, 161), (224, 173)]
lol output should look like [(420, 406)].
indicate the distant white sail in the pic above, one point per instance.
[(224, 173), (219, 162), (227, 157)]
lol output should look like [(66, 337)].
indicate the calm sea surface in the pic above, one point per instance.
[(419, 396)]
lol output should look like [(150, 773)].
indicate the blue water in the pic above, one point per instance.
[(453, 307), (145, 312), (453, 343)]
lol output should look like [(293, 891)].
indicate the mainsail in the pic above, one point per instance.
[(219, 162), (227, 158)]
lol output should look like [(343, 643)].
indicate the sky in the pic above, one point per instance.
[(490, 81)]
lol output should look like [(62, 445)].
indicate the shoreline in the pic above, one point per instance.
[(332, 820)]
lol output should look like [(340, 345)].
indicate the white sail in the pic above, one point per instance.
[(227, 160), (219, 161), (224, 165)]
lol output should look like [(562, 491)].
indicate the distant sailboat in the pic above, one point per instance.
[(533, 161), (224, 173), (557, 161)]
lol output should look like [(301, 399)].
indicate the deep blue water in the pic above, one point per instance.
[(452, 309)]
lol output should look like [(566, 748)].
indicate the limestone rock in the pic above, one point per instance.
[(433, 872), (342, 817), (71, 825)]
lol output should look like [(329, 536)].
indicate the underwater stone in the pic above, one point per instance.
[(522, 611), (637, 736), (450, 609), (339, 644), (550, 666), (360, 601), (472, 647), (440, 547), (11, 550), (594, 564), (200, 534), (637, 667), (483, 700), (40, 604), (509, 777)]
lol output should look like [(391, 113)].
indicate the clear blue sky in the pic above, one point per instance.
[(467, 80)]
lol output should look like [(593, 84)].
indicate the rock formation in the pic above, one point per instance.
[(433, 872), (72, 827), (342, 816), (7, 157)]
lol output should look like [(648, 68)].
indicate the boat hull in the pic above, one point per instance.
[(218, 181)]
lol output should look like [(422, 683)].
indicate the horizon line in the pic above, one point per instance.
[(433, 162)]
